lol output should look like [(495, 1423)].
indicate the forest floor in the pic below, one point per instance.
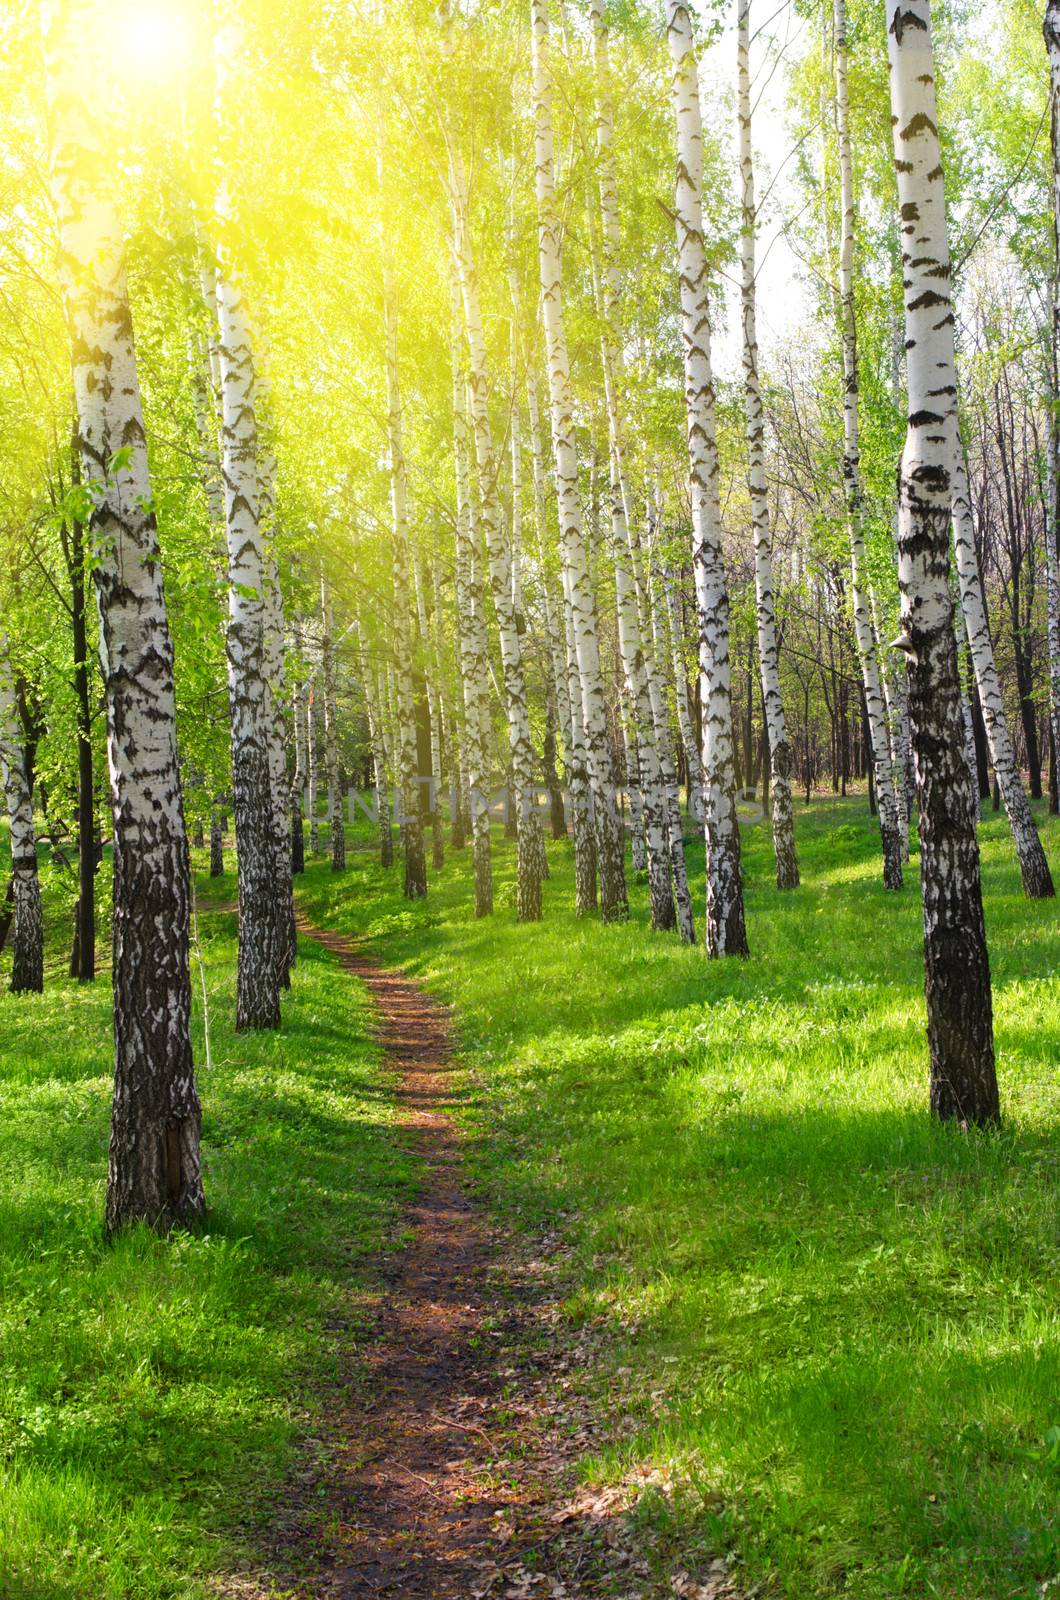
[(449, 1467), (708, 1281)]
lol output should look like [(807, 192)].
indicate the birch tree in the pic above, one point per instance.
[(275, 679), (864, 628), (664, 745), (373, 711), (408, 764), (1051, 32), (471, 633), (27, 957), (957, 971), (312, 721), (336, 828), (434, 715), (263, 922), (262, 937), (577, 581), (498, 554), (635, 657), (670, 629), (726, 932), (566, 684), (1034, 868), (300, 708), (787, 863), (154, 1169)]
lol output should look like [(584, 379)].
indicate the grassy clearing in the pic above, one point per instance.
[(151, 1393), (840, 1319)]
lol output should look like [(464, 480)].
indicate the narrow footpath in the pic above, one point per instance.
[(419, 1522), (450, 1472)]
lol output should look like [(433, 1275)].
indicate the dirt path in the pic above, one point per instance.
[(446, 1474), (421, 1516)]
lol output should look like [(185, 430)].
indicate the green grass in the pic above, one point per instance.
[(840, 1319), (153, 1393)]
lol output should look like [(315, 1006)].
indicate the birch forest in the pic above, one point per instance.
[(530, 740)]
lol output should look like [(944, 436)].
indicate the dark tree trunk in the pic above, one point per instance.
[(552, 784), (217, 847), (1028, 716), (386, 832)]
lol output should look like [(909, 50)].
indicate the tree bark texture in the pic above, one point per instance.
[(154, 1169), (957, 971), (27, 965), (864, 627), (614, 904), (726, 932), (783, 820)]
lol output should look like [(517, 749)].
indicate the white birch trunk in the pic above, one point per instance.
[(1051, 32), (530, 846), (411, 816), (312, 720), (638, 849), (370, 681), (154, 1169), (275, 679), (787, 863), (27, 964), (565, 679), (609, 840), (433, 716), (1037, 880), (635, 664), (263, 928), (516, 541), (1052, 567), (864, 630), (957, 971), (262, 939), (664, 744), (670, 628), (726, 931), (300, 707), (336, 825), (471, 635)]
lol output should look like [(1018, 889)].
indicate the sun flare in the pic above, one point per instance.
[(152, 38)]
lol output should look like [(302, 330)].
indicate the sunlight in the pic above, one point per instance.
[(152, 39)]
